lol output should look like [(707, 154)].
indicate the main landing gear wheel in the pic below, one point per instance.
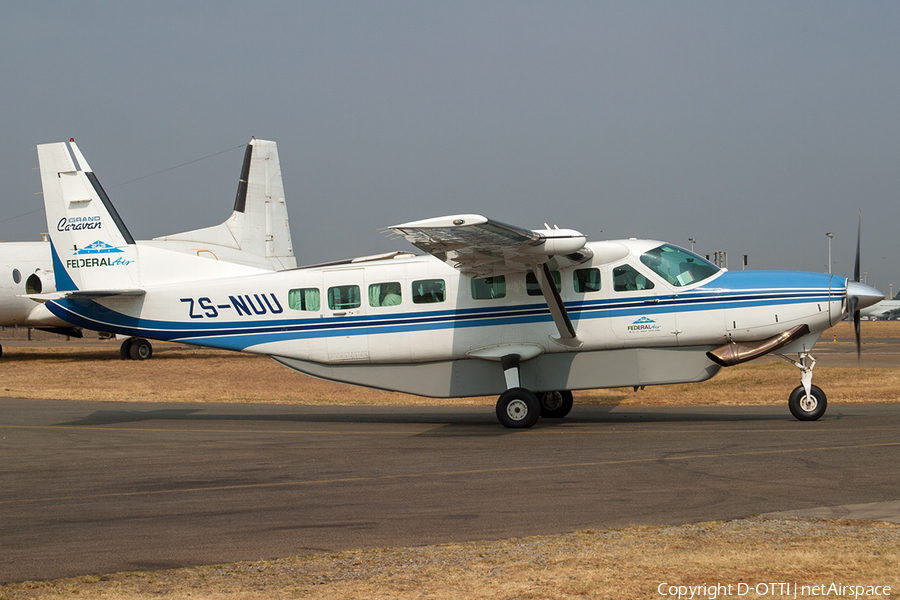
[(136, 349), (518, 408), (808, 408), (556, 405)]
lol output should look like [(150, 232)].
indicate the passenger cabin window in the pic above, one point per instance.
[(385, 294), (342, 297), (17, 277), (304, 299), (678, 266), (587, 280), (426, 291), (627, 279), (487, 288), (533, 288)]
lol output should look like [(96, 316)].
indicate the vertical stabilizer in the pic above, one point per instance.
[(259, 223), (90, 245)]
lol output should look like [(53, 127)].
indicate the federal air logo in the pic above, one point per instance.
[(643, 325), (98, 247)]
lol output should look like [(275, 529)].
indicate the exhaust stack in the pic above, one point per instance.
[(735, 353)]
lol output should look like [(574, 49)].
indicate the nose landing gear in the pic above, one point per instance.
[(807, 402)]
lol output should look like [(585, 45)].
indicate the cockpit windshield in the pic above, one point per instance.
[(678, 266)]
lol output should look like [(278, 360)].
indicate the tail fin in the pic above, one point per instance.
[(90, 245), (259, 223)]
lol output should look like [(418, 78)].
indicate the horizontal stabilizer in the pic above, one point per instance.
[(84, 295)]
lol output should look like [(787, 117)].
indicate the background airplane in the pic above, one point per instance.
[(256, 235), (886, 309), (490, 309)]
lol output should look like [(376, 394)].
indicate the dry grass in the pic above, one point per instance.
[(625, 564)]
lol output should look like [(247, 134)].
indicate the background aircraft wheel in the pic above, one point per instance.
[(556, 405), (518, 408), (140, 349), (125, 349), (807, 408), (1, 351)]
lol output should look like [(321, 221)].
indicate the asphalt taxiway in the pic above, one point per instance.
[(104, 487)]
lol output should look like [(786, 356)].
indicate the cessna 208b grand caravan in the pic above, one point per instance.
[(489, 309), (257, 237)]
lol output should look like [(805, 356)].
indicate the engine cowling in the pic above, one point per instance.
[(40, 282)]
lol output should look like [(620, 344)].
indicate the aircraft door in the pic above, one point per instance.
[(343, 306), (643, 313)]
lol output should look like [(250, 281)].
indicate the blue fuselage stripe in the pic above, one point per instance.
[(91, 315)]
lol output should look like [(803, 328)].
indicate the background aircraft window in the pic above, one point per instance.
[(17, 277), (678, 266), (532, 288), (587, 280), (627, 279), (304, 299), (384, 294), (428, 290), (343, 296), (486, 288)]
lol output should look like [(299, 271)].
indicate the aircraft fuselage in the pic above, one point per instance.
[(334, 321)]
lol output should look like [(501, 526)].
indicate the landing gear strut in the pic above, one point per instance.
[(807, 402)]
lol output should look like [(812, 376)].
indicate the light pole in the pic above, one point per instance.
[(692, 240), (830, 235)]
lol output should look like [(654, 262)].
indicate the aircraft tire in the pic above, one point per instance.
[(125, 349), (556, 405), (808, 411), (1, 351), (140, 349), (518, 408)]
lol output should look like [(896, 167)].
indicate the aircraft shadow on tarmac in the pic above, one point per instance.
[(477, 420)]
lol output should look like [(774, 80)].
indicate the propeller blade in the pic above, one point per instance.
[(858, 237), (859, 296)]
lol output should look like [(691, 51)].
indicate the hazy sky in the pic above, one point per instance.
[(754, 127)]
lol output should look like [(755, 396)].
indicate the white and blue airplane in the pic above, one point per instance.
[(256, 235), (490, 308)]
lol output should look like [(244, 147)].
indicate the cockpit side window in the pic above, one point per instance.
[(678, 266), (627, 279)]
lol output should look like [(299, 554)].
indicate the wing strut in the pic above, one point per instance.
[(567, 335)]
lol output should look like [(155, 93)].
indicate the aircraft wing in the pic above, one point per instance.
[(481, 247)]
